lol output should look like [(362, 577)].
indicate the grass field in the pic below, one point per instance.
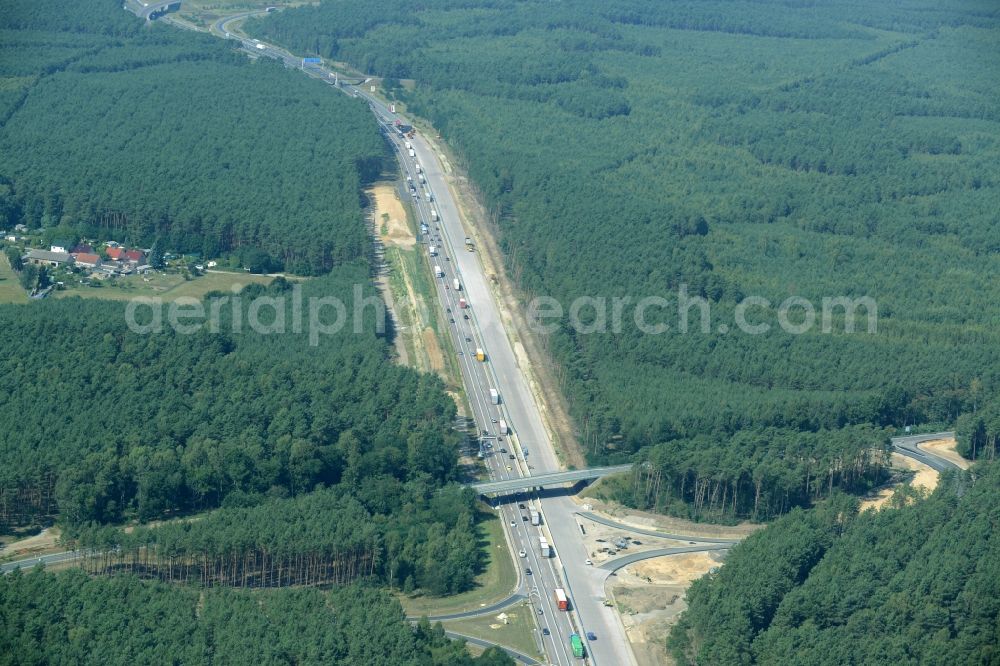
[(10, 289), (495, 583), (168, 287), (520, 633)]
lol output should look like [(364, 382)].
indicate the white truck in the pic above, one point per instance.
[(409, 146), (433, 251), (429, 196), (504, 430), (543, 544), (456, 285), (422, 178), (434, 215), (536, 518), (494, 396), (438, 272), (412, 153)]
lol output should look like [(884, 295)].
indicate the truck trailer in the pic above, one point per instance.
[(480, 354), (504, 430), (494, 395), (561, 601), (456, 285), (536, 517), (433, 250), (438, 272), (576, 644), (544, 547)]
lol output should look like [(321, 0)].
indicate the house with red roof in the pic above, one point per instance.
[(86, 259), (115, 253), (134, 256)]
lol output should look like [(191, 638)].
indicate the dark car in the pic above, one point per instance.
[(465, 316), (527, 572), (501, 450), (452, 320), (521, 505), (524, 517), (511, 456), (545, 631), (591, 636)]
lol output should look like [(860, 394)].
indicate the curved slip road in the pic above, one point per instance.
[(653, 533), (632, 558)]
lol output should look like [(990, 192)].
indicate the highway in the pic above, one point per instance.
[(28, 563), (530, 445), (909, 446), (632, 558)]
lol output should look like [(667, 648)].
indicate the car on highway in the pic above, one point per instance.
[(509, 468), (465, 316), (449, 309), (520, 505), (588, 562), (452, 320), (502, 450), (522, 553), (493, 420), (527, 572), (468, 339), (513, 524), (486, 432), (524, 517), (591, 636), (545, 631), (540, 611), (636, 543), (511, 456)]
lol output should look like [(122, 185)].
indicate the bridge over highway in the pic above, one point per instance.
[(152, 9), (551, 479)]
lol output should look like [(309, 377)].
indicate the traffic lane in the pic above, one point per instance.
[(486, 320), (502, 359), (519, 534), (28, 563), (611, 648)]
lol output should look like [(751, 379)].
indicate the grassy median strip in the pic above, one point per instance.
[(519, 632)]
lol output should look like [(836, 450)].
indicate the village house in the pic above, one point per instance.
[(86, 259), (47, 258)]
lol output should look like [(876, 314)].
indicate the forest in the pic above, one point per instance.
[(911, 585), (72, 618), (104, 424), (116, 131), (724, 150)]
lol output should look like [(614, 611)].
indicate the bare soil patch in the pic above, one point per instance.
[(43, 543), (945, 448), (390, 218), (433, 349), (649, 596), (653, 521), (924, 477)]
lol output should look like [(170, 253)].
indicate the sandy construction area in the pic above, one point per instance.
[(649, 596), (924, 477), (390, 218), (945, 448)]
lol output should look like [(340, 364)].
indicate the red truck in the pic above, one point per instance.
[(561, 601)]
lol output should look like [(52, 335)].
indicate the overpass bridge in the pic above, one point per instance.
[(152, 9), (551, 479)]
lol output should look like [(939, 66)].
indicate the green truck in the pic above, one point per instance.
[(577, 645)]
